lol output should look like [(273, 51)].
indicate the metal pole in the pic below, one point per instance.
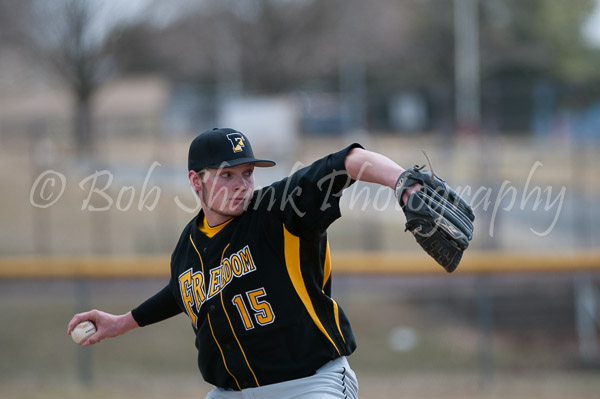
[(468, 120), (466, 64), (352, 71), (84, 354), (486, 327), (229, 60), (586, 310)]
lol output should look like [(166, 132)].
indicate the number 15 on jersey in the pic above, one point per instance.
[(259, 309)]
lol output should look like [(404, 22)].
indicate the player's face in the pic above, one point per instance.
[(225, 193)]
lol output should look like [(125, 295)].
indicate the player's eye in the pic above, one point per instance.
[(249, 172), (225, 174)]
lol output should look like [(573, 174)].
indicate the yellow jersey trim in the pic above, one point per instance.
[(229, 320), (210, 231), (336, 312), (210, 324), (238, 342), (327, 275), (292, 261), (222, 354), (327, 266)]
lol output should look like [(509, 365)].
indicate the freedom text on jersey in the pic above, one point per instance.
[(195, 288)]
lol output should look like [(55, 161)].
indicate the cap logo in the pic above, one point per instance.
[(237, 141)]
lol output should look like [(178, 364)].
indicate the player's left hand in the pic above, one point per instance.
[(440, 220), (409, 191)]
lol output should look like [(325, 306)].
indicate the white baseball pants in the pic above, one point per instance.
[(335, 380)]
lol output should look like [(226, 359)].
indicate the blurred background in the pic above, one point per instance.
[(99, 101)]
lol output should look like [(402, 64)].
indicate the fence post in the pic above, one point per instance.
[(486, 326), (586, 317)]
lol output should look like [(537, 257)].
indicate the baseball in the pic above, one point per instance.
[(82, 331)]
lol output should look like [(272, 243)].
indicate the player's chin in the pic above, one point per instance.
[(236, 207)]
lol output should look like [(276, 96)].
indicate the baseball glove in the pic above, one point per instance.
[(440, 220)]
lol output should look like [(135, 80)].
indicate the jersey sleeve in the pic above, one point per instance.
[(157, 308), (308, 200)]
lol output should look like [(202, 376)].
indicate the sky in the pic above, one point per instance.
[(591, 29)]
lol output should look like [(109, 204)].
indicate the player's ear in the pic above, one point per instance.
[(195, 180)]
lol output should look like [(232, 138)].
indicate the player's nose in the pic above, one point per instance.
[(241, 183)]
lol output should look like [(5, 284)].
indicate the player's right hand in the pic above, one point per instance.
[(107, 325)]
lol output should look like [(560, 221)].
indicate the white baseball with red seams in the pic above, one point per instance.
[(82, 331)]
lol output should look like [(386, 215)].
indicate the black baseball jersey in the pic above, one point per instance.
[(258, 292)]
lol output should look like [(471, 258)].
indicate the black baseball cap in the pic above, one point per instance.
[(222, 148)]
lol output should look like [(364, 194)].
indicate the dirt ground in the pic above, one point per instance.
[(422, 385), (447, 358)]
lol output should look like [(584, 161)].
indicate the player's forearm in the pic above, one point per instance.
[(372, 167), (157, 308)]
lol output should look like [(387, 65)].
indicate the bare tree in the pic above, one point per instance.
[(72, 46)]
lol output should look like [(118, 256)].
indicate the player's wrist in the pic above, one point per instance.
[(125, 323)]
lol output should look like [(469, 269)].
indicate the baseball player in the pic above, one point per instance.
[(252, 271)]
